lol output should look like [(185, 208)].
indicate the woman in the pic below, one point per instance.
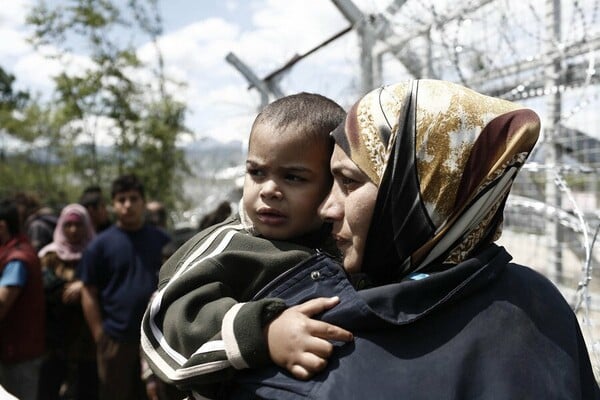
[(70, 358), (422, 171)]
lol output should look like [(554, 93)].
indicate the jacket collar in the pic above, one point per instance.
[(409, 300)]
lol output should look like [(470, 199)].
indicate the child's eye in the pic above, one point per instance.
[(254, 172), (294, 178)]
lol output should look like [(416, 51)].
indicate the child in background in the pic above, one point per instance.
[(203, 325)]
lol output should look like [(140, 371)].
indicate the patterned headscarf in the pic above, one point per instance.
[(444, 158), (65, 250)]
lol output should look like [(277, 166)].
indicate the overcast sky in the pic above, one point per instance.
[(198, 35)]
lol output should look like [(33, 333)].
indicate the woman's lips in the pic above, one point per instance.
[(340, 242), (271, 217)]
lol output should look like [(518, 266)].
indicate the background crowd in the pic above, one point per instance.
[(74, 283)]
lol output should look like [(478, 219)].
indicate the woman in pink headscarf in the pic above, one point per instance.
[(71, 353)]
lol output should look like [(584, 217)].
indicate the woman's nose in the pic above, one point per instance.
[(331, 208)]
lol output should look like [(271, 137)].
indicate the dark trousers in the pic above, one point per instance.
[(119, 370), (81, 378)]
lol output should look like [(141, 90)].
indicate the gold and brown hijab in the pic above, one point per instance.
[(444, 158)]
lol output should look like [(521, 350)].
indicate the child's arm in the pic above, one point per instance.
[(195, 331), (198, 329), (301, 344)]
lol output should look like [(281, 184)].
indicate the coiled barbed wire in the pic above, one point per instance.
[(581, 302)]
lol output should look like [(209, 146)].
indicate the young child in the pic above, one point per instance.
[(203, 325)]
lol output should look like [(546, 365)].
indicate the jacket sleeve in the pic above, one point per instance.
[(196, 332)]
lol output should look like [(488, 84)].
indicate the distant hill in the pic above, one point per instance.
[(218, 170), (207, 156)]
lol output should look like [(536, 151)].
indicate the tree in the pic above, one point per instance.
[(13, 129), (12, 103), (111, 96), (9, 98)]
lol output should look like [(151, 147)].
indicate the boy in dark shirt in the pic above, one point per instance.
[(119, 270)]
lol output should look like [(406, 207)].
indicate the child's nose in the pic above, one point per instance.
[(270, 189)]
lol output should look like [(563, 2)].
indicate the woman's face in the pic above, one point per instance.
[(349, 207), (74, 231)]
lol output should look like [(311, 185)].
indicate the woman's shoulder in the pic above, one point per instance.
[(526, 276), (536, 294)]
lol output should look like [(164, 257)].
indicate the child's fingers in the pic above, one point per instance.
[(308, 366), (299, 372), (319, 347), (328, 331), (316, 306)]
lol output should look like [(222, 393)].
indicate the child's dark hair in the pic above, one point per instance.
[(311, 114), (126, 183), (10, 214)]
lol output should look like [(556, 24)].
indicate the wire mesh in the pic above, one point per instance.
[(543, 54)]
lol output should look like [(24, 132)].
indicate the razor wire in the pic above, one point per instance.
[(576, 221), (582, 300)]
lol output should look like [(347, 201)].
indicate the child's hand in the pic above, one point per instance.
[(301, 344)]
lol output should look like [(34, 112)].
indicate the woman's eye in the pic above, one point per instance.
[(348, 184), (347, 181)]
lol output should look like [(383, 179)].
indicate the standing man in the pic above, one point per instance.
[(119, 270), (22, 315), (93, 201)]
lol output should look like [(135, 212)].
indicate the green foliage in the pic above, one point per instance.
[(106, 98), (9, 99), (11, 104)]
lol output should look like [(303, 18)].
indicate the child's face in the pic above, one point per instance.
[(287, 178)]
